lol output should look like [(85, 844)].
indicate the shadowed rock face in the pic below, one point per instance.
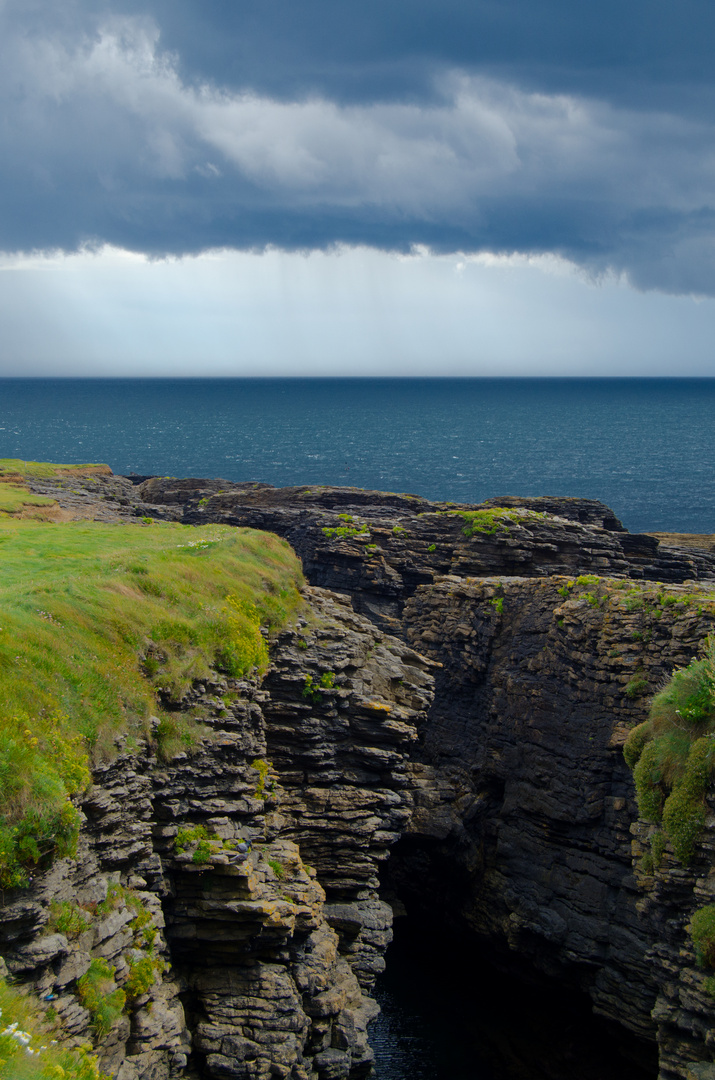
[(471, 730)]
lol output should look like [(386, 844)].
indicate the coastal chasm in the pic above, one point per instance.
[(440, 732)]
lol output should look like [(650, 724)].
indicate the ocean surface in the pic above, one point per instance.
[(646, 447)]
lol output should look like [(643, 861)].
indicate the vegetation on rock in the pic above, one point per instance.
[(28, 1048), (496, 519), (100, 996), (350, 529), (672, 754), (87, 612), (702, 934)]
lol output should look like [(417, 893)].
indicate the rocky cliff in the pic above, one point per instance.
[(458, 702), (245, 973)]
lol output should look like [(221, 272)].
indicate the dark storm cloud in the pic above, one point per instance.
[(173, 126)]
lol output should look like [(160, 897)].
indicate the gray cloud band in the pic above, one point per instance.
[(104, 140)]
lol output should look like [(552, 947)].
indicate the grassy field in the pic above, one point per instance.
[(95, 620), (44, 470)]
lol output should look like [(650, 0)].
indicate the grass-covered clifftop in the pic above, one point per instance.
[(98, 625)]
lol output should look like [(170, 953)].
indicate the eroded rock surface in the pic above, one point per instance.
[(249, 978)]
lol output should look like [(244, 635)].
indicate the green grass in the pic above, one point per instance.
[(346, 532), (95, 621), (45, 470), (14, 499), (24, 1027), (100, 995), (497, 519)]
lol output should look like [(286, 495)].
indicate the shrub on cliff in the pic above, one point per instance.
[(672, 754), (702, 933), (494, 519), (98, 625)]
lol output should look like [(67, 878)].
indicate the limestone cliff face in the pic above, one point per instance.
[(459, 751)]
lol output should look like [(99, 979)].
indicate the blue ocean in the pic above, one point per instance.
[(646, 447)]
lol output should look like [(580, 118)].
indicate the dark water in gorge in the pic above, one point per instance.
[(646, 447), (447, 1014)]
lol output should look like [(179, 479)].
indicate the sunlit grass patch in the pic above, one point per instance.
[(28, 1049), (494, 519), (98, 624), (14, 499), (48, 469)]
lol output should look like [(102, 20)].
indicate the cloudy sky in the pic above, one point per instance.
[(433, 186)]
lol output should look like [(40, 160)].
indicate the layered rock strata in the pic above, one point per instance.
[(246, 975), (379, 548), (524, 807), (508, 809)]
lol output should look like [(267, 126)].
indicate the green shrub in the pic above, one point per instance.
[(262, 768), (115, 898), (648, 775), (25, 1027), (497, 603), (142, 925), (634, 744), (487, 522), (99, 995), (684, 808), (203, 851), (311, 688), (657, 847), (633, 600), (702, 934), (142, 976), (346, 532), (672, 754), (637, 687), (647, 863), (176, 733), (277, 868), (68, 919), (689, 698), (187, 835)]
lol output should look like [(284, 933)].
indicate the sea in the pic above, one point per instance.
[(645, 447)]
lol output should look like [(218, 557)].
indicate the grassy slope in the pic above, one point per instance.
[(87, 612), (24, 1027)]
